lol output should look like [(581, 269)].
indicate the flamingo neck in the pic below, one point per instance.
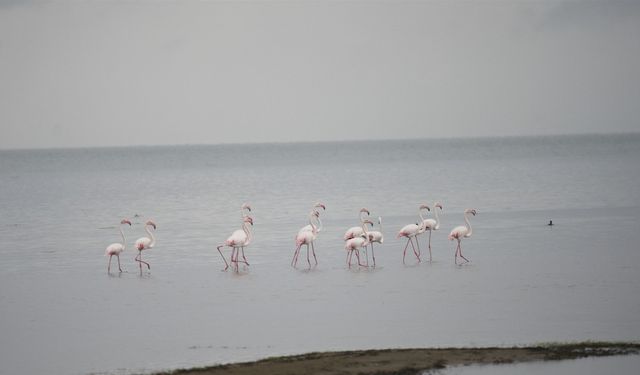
[(361, 217), (380, 223), (246, 229), (153, 239), (124, 241), (314, 228), (420, 214), (366, 233), (466, 220), (435, 213), (320, 226)]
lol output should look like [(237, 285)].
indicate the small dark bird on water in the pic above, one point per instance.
[(550, 223)]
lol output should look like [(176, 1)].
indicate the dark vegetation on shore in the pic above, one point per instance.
[(411, 361)]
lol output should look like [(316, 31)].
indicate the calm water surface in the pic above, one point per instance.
[(60, 312)]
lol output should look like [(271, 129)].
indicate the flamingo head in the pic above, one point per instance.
[(367, 221), (248, 219), (438, 205), (379, 219), (245, 206), (470, 211), (320, 205), (125, 221), (151, 223), (364, 210), (316, 213), (424, 207)]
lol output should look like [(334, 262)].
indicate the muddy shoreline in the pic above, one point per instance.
[(410, 361)]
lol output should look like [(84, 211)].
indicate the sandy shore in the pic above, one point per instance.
[(411, 361)]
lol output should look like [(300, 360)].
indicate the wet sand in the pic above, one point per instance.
[(411, 361)]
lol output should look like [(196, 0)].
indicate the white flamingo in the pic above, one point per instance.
[(431, 225), (238, 240), (117, 248), (356, 231), (375, 236), (145, 243), (460, 232), (355, 244), (306, 237), (412, 230)]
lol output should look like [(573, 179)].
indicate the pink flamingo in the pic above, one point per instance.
[(431, 225), (460, 232), (117, 248), (144, 243), (355, 244), (375, 236), (306, 237), (238, 240), (412, 230), (356, 231)]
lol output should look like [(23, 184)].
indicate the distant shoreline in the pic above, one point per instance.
[(411, 361)]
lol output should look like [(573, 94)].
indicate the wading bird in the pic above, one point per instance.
[(117, 248), (375, 236), (460, 232), (355, 244), (357, 231), (306, 237), (145, 243), (431, 225), (412, 230), (237, 242)]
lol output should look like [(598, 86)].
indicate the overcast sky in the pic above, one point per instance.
[(78, 74)]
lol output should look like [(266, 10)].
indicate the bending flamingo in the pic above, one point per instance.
[(306, 237), (356, 231), (117, 248), (144, 243), (460, 232), (238, 240), (431, 225), (375, 236), (355, 244)]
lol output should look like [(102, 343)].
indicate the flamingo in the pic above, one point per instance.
[(356, 231), (306, 237), (431, 225), (308, 227), (238, 240), (144, 243), (375, 236), (354, 244), (117, 248), (460, 232), (412, 230)]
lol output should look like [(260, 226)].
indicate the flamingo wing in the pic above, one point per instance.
[(143, 243), (114, 249), (458, 232), (353, 232)]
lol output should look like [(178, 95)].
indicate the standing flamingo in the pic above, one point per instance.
[(306, 237), (117, 248), (431, 225), (460, 232), (375, 236), (354, 244), (356, 231), (412, 230), (144, 243), (238, 240)]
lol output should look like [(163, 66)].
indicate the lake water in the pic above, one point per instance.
[(60, 312)]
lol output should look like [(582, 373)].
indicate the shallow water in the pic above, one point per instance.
[(60, 312), (620, 365)]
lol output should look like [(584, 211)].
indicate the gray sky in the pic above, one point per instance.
[(76, 74)]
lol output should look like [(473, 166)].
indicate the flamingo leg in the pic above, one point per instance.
[(109, 266), (117, 256), (430, 258), (404, 253), (140, 261), (455, 259), (349, 255), (373, 255), (226, 265), (366, 254), (414, 249), (417, 244), (359, 262), (313, 250), (308, 261), (294, 260), (243, 257), (462, 256)]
